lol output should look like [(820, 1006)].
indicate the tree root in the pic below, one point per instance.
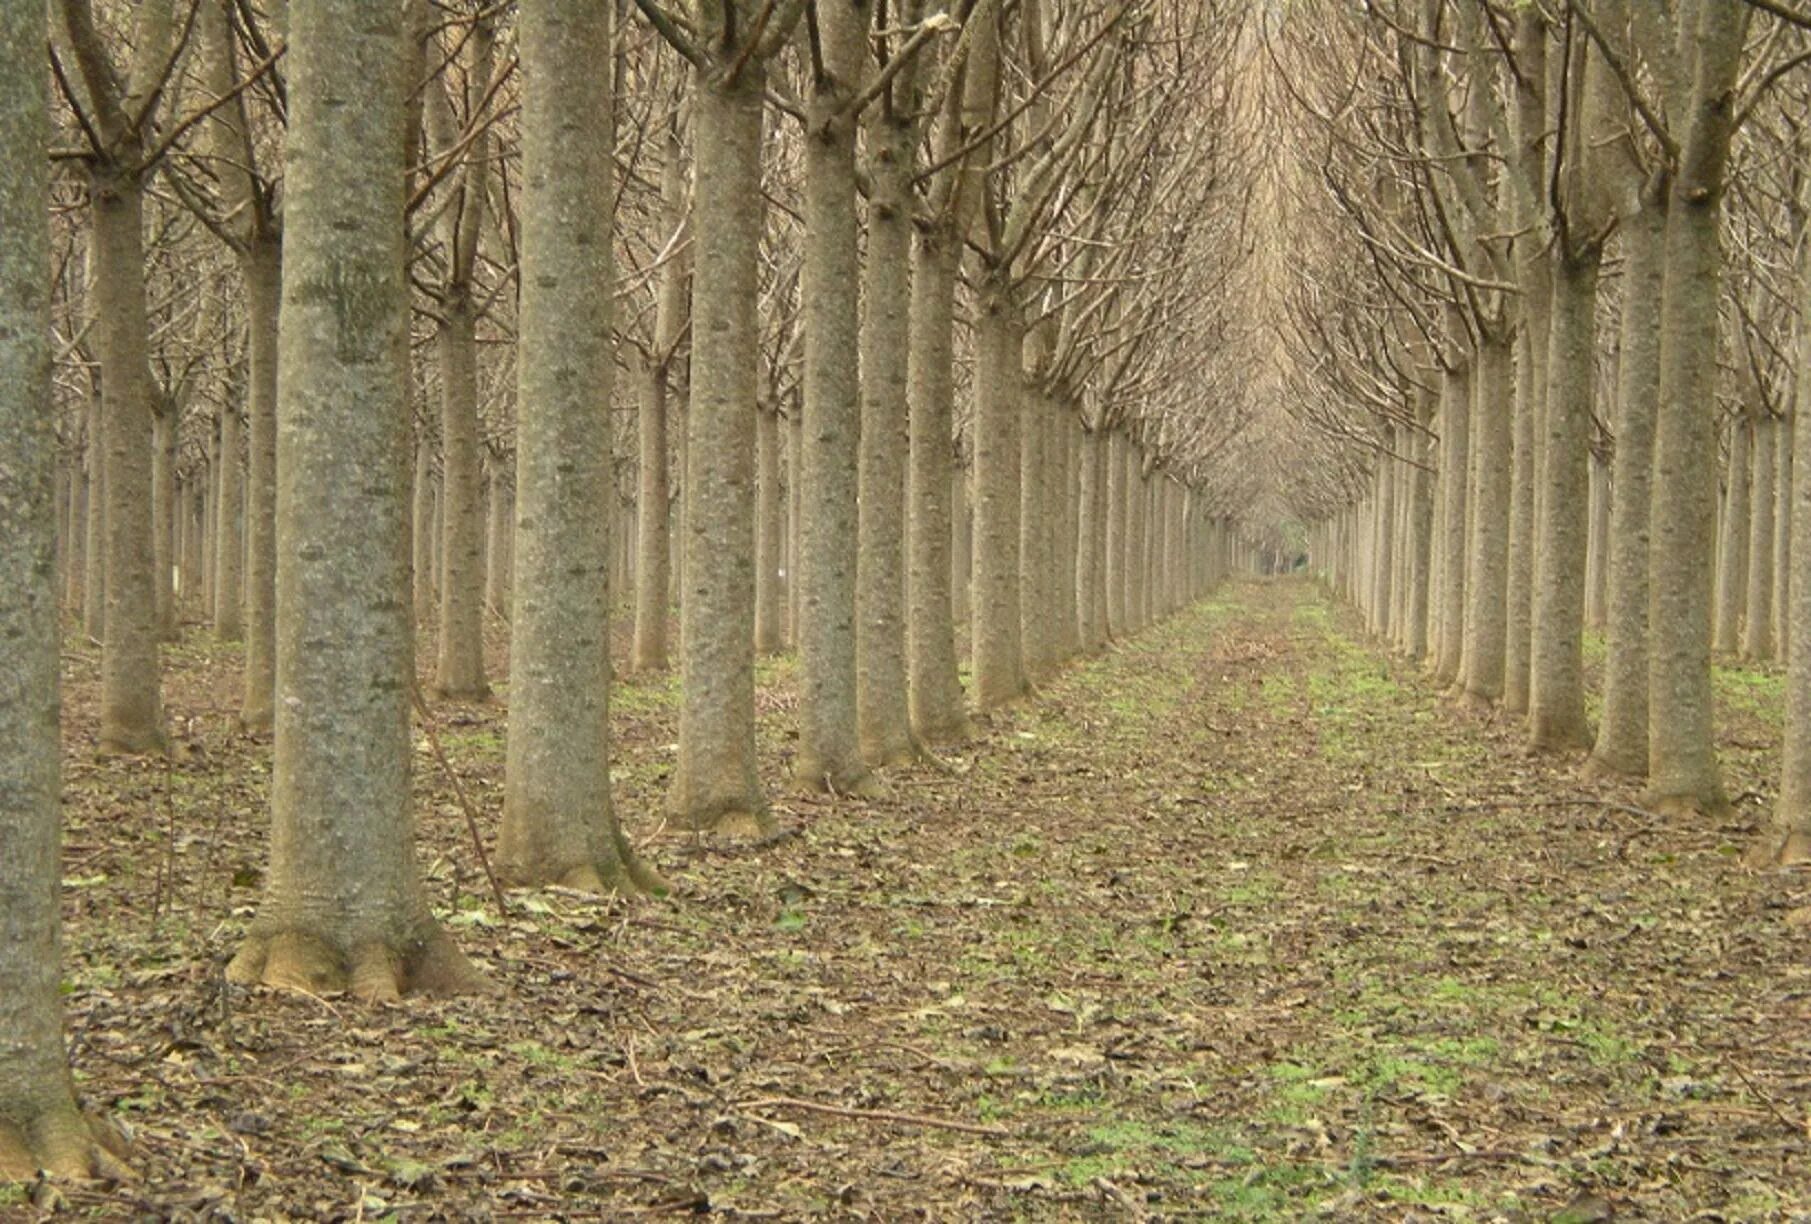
[(63, 1143), (1781, 848), (373, 972)]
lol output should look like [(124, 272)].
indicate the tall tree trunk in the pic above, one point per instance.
[(229, 544), (1486, 625), (1757, 629), (715, 787), (40, 1127), (1421, 531), (459, 661), (163, 515), (94, 525), (1556, 707), (499, 552), (1455, 433), (1116, 536), (1732, 549), (883, 703), (343, 906), (1682, 762), (422, 529), (1622, 733), (1788, 841), (653, 525), (1782, 508), (1036, 471), (261, 268), (770, 534), (558, 822), (829, 752), (998, 665), (132, 718), (933, 689), (1597, 568)]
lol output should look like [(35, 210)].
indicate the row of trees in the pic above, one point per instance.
[(1568, 253), (303, 218)]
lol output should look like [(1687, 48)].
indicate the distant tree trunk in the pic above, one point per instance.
[(262, 271), (422, 529), (343, 907), (499, 555), (163, 513), (558, 822), (795, 485), (1455, 421), (1732, 550), (770, 535), (75, 553), (1597, 570), (1487, 559), (459, 661), (1757, 629), (94, 525), (1090, 556), (1114, 554), (653, 525), (132, 718), (1421, 531), (229, 545), (1622, 732), (40, 1126), (715, 787), (1035, 473), (1782, 513)]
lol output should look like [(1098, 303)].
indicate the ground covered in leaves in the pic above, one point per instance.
[(1238, 921)]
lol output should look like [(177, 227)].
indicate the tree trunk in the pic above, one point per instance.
[(653, 524), (343, 907), (459, 661), (715, 787), (229, 544), (132, 718), (1455, 431), (1757, 629), (882, 690), (499, 553), (998, 664), (1036, 471), (94, 525), (1486, 623), (1597, 569), (558, 822), (1788, 841), (829, 749), (1782, 512), (1732, 549), (1556, 700), (40, 1127), (163, 514), (933, 688), (262, 270), (1117, 535), (422, 529), (770, 533), (1622, 733)]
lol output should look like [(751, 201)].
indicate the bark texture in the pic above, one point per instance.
[(343, 907)]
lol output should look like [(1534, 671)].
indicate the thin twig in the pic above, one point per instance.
[(876, 1115), (471, 816)]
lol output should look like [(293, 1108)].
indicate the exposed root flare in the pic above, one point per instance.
[(372, 972), (147, 743), (62, 1142), (737, 824), (1781, 848), (1686, 805), (957, 731), (1598, 768), (813, 779)]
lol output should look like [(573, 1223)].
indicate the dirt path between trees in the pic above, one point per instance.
[(1239, 921)]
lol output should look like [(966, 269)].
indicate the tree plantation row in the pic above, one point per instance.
[(1560, 316), (850, 328)]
